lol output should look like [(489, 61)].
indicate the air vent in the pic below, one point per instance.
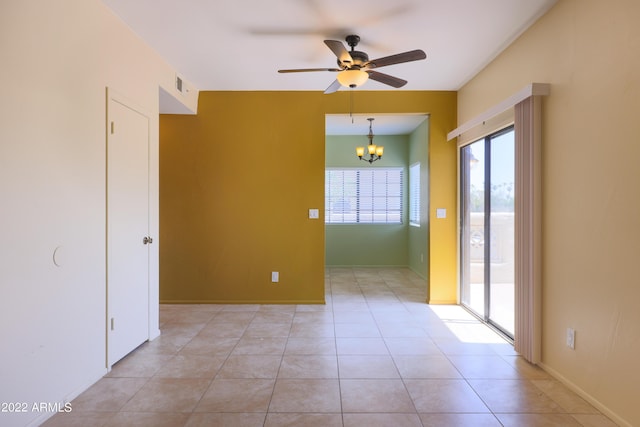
[(179, 84)]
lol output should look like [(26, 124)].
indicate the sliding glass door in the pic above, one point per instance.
[(487, 176), (472, 171)]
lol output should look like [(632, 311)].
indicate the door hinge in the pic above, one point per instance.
[(113, 324), (112, 127)]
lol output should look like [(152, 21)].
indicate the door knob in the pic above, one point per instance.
[(147, 240)]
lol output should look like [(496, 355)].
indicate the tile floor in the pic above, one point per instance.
[(374, 355)]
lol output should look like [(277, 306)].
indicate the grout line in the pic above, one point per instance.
[(371, 289)]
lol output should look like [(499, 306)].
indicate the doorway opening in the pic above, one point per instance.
[(398, 239)]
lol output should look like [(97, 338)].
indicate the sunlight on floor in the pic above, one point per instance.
[(465, 327)]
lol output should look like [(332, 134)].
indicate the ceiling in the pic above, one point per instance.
[(240, 45), (383, 124)]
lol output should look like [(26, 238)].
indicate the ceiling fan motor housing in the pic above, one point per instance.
[(359, 58)]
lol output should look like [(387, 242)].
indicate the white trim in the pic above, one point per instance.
[(585, 395), (529, 90), (152, 295)]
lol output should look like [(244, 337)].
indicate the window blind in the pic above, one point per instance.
[(414, 194), (371, 195)]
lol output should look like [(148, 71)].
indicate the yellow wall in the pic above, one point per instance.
[(589, 51), (237, 181)]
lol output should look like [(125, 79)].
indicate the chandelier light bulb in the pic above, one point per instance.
[(375, 151)]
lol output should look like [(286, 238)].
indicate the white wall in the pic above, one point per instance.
[(57, 59), (588, 51)]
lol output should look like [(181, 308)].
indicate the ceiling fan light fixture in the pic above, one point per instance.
[(352, 78)]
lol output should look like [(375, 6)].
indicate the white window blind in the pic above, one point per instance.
[(414, 194), (371, 195)]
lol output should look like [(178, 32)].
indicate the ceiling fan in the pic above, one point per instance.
[(355, 68)]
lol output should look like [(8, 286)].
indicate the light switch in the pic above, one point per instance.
[(314, 214), (441, 213)]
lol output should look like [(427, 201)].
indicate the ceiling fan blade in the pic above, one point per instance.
[(412, 55), (386, 79), (339, 50), (333, 87), (306, 70)]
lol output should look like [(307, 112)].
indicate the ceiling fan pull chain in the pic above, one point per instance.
[(351, 105)]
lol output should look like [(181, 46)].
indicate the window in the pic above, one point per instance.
[(372, 195), (414, 194)]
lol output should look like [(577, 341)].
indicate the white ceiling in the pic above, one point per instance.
[(383, 124), (240, 44)]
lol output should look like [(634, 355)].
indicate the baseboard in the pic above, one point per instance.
[(154, 334), (586, 396), (366, 266), (420, 275), (264, 302), (68, 398), (442, 302)]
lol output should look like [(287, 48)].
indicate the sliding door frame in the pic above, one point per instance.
[(464, 272)]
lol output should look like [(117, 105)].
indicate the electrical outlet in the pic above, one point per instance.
[(571, 338), (275, 277)]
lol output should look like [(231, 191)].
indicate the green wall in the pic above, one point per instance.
[(382, 244), (340, 151), (418, 251), (368, 244)]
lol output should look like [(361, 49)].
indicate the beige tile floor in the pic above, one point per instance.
[(374, 355)]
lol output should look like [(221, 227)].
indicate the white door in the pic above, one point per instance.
[(127, 229)]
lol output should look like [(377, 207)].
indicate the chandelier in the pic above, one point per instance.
[(374, 151)]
